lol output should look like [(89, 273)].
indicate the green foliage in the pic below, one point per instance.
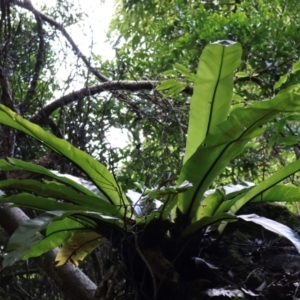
[(78, 247), (178, 30), (211, 99), (245, 130), (81, 219), (153, 37), (97, 172)]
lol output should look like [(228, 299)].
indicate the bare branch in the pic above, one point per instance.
[(27, 5), (254, 79), (55, 128), (138, 250), (44, 113), (38, 65)]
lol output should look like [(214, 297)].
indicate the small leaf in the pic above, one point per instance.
[(293, 118), (166, 84), (184, 71), (241, 74), (139, 186), (237, 97), (296, 66), (288, 140), (176, 89), (169, 72), (78, 247), (135, 40), (272, 141), (281, 81)]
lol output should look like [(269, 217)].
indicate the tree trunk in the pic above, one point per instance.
[(71, 280)]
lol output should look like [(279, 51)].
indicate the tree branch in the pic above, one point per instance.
[(38, 64), (254, 79), (126, 85), (27, 5), (9, 137)]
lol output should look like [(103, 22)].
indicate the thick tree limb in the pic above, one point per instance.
[(71, 280), (125, 85)]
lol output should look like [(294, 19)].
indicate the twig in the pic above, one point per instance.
[(138, 250), (27, 5)]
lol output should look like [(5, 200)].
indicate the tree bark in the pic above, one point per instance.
[(71, 280)]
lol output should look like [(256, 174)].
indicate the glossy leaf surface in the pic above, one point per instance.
[(212, 91), (225, 142), (97, 172)]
